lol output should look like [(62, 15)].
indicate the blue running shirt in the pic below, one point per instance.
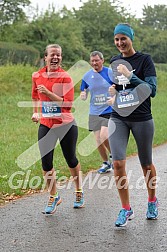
[(98, 83)]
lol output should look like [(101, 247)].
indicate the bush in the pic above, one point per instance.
[(13, 53)]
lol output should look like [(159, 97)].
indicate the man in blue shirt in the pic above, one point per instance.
[(97, 82)]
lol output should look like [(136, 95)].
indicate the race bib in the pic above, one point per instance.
[(100, 99), (127, 98), (50, 109)]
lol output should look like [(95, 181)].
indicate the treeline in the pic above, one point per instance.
[(80, 31)]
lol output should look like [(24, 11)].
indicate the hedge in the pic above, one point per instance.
[(12, 53)]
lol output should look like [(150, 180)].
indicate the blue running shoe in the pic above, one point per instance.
[(152, 211), (106, 167), (79, 202), (52, 204), (123, 216)]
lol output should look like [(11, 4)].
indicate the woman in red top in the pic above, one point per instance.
[(53, 90)]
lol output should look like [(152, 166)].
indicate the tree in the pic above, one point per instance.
[(155, 44), (12, 11), (86, 29), (98, 18), (52, 27), (156, 16)]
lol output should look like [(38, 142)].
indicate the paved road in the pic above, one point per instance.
[(24, 228)]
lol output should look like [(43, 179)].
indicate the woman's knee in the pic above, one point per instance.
[(73, 162), (147, 167), (118, 164), (49, 172)]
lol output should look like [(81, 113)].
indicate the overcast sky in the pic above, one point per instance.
[(134, 7)]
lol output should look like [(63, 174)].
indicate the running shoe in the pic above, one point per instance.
[(79, 202), (152, 211), (123, 216), (106, 167), (52, 204)]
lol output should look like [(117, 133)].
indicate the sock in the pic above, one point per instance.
[(152, 199), (55, 195), (127, 206), (79, 190)]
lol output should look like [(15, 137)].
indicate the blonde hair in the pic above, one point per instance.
[(51, 46)]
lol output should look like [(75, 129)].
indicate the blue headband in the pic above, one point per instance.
[(124, 29)]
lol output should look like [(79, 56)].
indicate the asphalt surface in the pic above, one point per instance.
[(24, 228)]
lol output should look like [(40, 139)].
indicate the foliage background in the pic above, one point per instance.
[(80, 31)]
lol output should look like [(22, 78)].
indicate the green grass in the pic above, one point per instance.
[(18, 133)]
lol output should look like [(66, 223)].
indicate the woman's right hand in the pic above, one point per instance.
[(112, 90), (35, 117)]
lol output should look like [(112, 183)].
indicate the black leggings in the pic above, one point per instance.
[(47, 139)]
